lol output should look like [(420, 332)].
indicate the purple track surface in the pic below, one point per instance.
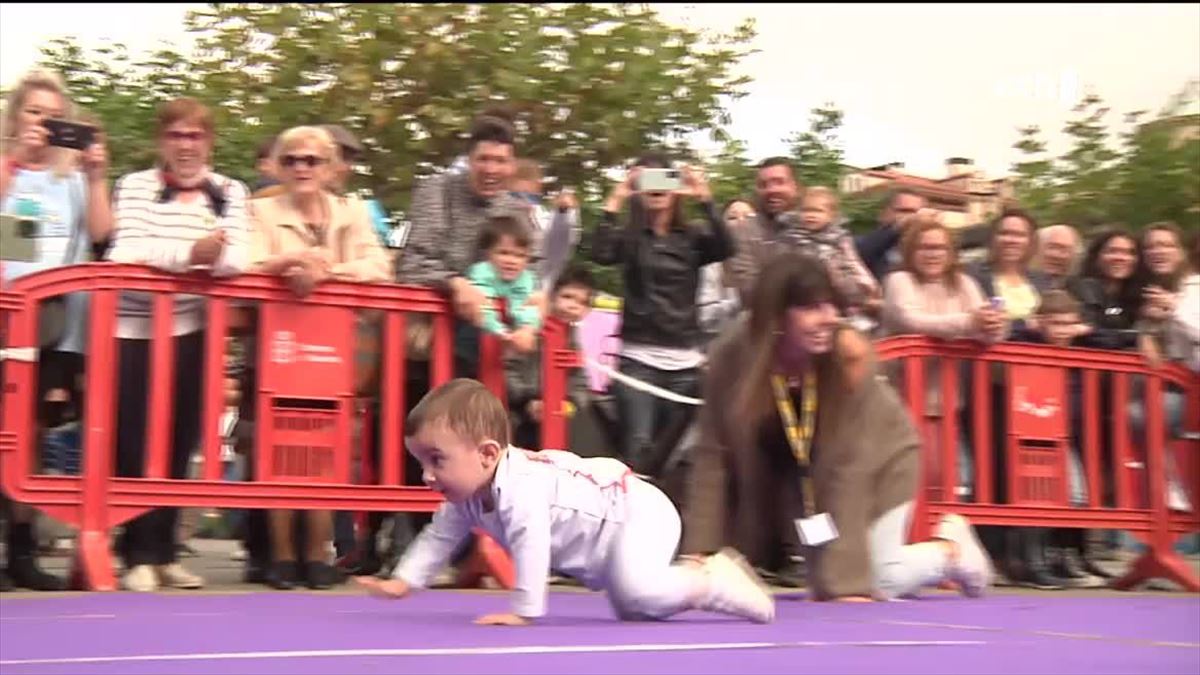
[(1010, 634)]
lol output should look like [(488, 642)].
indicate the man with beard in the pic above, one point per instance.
[(778, 193)]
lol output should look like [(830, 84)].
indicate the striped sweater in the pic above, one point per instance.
[(150, 232)]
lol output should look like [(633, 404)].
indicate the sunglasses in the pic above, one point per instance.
[(310, 161)]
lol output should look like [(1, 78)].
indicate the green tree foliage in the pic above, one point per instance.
[(1153, 174), (589, 85), (731, 174), (817, 153), (1034, 177)]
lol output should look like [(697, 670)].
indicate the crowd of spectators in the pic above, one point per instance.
[(484, 235)]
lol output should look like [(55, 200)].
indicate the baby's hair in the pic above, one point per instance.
[(1057, 302), (576, 275), (466, 408), (821, 192), (499, 227), (529, 170)]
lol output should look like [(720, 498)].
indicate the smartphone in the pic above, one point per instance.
[(64, 134), (397, 237), (18, 238), (660, 180), (997, 303)]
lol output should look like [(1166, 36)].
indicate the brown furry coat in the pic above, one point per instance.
[(865, 462)]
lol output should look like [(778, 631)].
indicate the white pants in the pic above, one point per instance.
[(640, 580), (902, 569)]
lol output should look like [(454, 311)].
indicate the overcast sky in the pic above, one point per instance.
[(918, 83)]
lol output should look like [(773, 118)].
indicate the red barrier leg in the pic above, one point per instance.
[(93, 564), (92, 569), (1161, 560), (1158, 564)]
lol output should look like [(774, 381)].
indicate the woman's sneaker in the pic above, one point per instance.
[(973, 569), (175, 576), (140, 579), (734, 588)]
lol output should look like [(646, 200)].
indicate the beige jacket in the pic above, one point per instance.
[(278, 229)]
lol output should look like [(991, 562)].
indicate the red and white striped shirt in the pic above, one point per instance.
[(161, 234)]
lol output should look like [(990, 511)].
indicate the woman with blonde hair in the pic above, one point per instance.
[(308, 235), (61, 211)]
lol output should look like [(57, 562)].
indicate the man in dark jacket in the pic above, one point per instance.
[(878, 248)]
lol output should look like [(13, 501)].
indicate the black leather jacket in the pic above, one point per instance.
[(661, 275)]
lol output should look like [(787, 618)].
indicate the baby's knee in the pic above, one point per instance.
[(638, 604), (892, 581)]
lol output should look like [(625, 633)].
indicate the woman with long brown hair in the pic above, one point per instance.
[(796, 425), (660, 253)]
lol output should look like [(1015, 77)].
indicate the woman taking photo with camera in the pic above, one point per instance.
[(62, 211), (660, 255)]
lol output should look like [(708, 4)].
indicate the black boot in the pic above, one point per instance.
[(5, 583), (1036, 570), (1066, 565), (319, 576), (25, 573), (284, 575), (1087, 548), (792, 574), (23, 569)]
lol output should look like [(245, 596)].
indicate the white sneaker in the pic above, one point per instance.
[(1177, 499), (735, 588), (973, 569), (175, 576), (140, 579)]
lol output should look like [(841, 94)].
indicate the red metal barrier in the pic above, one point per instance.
[(306, 402), (306, 407), (1037, 436)]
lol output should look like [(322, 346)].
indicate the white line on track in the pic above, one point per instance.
[(58, 617), (488, 651)]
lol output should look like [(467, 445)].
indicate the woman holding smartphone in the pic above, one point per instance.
[(660, 255), (63, 210)]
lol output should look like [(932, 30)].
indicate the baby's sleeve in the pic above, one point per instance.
[(434, 546), (527, 526)]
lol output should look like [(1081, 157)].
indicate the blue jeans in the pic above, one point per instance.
[(644, 415), (1172, 402)]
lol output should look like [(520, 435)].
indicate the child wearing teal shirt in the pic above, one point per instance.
[(504, 275)]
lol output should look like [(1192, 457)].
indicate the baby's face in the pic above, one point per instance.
[(509, 258), (816, 213), (571, 303), (451, 464)]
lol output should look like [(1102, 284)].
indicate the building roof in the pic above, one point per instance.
[(931, 188)]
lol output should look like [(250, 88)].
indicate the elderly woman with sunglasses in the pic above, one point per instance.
[(308, 235)]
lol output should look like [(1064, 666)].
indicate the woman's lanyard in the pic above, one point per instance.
[(799, 432)]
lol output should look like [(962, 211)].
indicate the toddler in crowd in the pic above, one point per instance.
[(589, 518), (821, 235), (570, 302), (504, 275)]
